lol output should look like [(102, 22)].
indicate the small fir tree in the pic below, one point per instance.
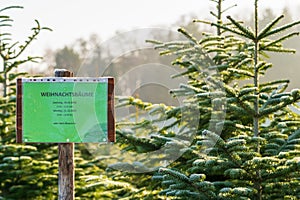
[(25, 171)]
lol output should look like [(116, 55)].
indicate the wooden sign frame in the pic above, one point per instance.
[(60, 81)]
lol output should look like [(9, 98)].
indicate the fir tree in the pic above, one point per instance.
[(24, 171), (246, 145)]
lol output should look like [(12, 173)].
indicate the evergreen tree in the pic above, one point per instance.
[(247, 141), (25, 171)]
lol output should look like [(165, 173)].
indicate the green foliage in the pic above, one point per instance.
[(25, 173), (24, 170), (246, 141)]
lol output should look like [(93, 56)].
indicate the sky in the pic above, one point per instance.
[(73, 19)]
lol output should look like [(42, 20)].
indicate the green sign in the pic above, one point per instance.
[(58, 110)]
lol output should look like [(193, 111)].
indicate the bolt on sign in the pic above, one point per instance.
[(65, 109)]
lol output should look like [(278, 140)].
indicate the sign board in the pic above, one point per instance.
[(65, 109)]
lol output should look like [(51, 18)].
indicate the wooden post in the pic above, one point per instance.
[(65, 160)]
